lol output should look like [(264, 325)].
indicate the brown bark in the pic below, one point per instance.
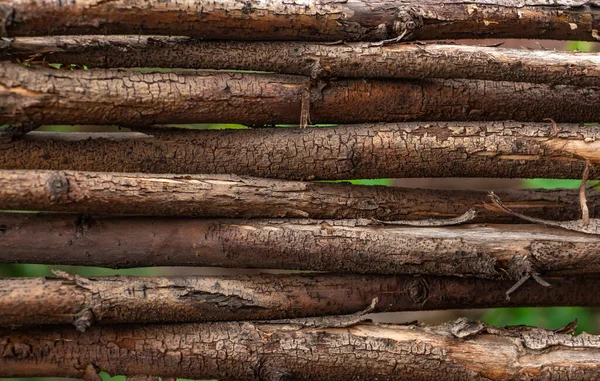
[(86, 301), (328, 20), (461, 350), (492, 251), (235, 196), (36, 96), (501, 149), (357, 60)]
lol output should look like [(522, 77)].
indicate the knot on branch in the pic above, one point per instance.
[(521, 269), (268, 370), (418, 291), (84, 320), (7, 15), (407, 21), (58, 187)]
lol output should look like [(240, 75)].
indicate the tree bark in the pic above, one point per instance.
[(86, 301), (492, 251), (235, 196), (357, 60), (502, 149), (329, 20), (37, 96), (461, 350)]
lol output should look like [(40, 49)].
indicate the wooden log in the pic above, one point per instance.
[(36, 96), (328, 20), (350, 60), (463, 349), (490, 251), (236, 196), (501, 149), (108, 300)]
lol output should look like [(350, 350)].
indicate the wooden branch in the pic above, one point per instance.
[(235, 196), (267, 351), (351, 60), (492, 251), (328, 20), (36, 96), (87, 301), (501, 149)]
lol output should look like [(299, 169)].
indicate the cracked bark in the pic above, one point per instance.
[(357, 60), (106, 300), (492, 251), (459, 350), (35, 96), (329, 20), (212, 195), (465, 149)]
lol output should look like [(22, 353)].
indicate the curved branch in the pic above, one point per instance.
[(235, 196), (493, 251), (105, 300), (350, 60), (269, 351), (328, 20), (500, 149), (37, 96)]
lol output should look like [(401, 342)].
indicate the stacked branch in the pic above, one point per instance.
[(212, 195), (349, 60), (461, 149), (280, 351), (328, 20), (87, 301), (357, 245), (31, 97)]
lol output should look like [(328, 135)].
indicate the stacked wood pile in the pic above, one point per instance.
[(399, 103)]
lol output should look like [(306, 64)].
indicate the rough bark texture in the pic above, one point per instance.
[(36, 96), (327, 20), (352, 60), (461, 350), (492, 251), (86, 301), (502, 149), (235, 196)]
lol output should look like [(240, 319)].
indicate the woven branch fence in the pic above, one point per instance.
[(371, 89)]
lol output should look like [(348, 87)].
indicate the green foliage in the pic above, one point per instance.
[(548, 318), (60, 66)]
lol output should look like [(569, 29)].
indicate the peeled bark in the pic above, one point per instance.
[(235, 196), (461, 350), (106, 300), (328, 20), (492, 251), (502, 149), (357, 60), (37, 96)]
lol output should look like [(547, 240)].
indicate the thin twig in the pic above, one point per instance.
[(585, 213), (467, 216)]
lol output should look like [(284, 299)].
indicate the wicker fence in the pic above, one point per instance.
[(396, 102)]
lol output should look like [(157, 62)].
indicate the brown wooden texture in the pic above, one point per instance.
[(36, 96), (238, 196), (328, 20), (490, 251), (87, 301), (350, 60), (500, 149), (461, 350)]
